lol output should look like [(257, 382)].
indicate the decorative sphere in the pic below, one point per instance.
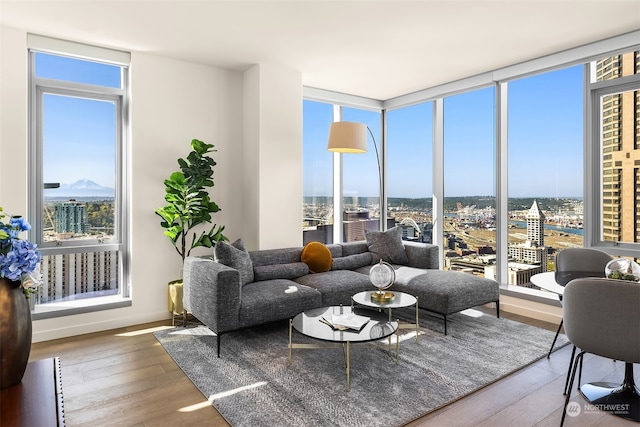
[(623, 269), (379, 330), (382, 275)]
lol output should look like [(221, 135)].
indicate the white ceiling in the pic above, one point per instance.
[(377, 49)]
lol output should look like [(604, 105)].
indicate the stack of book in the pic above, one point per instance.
[(342, 322)]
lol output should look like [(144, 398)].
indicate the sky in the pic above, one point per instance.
[(79, 134), (544, 127), (545, 143)]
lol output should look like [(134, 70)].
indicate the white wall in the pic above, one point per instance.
[(174, 102), (13, 121), (249, 181), (273, 156)]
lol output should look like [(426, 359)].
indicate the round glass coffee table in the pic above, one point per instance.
[(400, 300), (312, 323)]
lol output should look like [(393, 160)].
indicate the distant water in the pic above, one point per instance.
[(79, 199), (568, 230)]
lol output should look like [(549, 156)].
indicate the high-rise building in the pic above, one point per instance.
[(70, 217), (78, 275), (533, 250), (620, 133), (535, 224), (528, 258), (356, 223)]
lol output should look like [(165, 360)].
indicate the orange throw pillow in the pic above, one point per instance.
[(317, 256)]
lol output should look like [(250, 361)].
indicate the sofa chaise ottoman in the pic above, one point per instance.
[(244, 288)]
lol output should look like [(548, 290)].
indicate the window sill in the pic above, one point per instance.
[(543, 297), (79, 306)]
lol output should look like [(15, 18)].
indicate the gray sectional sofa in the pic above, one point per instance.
[(264, 286)]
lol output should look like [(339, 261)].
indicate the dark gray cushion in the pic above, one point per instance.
[(447, 292), (387, 245), (405, 274), (335, 249), (271, 300), (275, 256), (235, 255), (422, 255), (337, 286), (351, 248), (280, 271), (352, 262)]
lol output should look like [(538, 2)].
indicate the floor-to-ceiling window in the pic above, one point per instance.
[(519, 176), (410, 170), (317, 180), (77, 206), (361, 179), (545, 170), (615, 91), (469, 181)]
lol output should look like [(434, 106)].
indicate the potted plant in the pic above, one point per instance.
[(189, 206)]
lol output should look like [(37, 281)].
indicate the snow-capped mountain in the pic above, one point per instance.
[(83, 184), (80, 188)]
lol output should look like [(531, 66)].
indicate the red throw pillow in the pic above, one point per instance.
[(317, 256)]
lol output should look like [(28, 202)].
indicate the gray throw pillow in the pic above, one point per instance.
[(235, 255), (387, 245)]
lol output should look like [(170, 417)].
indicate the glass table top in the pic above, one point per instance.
[(401, 300), (309, 323)]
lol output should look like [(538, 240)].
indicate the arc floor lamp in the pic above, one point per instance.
[(351, 137)]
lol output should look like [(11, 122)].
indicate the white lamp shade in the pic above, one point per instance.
[(347, 137)]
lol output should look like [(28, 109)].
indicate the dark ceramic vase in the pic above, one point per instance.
[(15, 333)]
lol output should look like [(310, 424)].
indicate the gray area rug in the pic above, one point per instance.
[(252, 383)]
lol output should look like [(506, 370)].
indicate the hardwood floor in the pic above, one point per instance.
[(125, 378)]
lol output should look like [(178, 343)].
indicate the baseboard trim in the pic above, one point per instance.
[(100, 326)]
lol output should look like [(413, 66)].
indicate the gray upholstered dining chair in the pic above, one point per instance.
[(572, 263), (602, 317)]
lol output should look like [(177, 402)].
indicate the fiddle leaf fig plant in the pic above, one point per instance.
[(188, 202)]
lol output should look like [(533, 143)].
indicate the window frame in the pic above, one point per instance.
[(593, 162), (39, 87), (45, 87)]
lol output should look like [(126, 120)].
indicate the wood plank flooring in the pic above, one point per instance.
[(125, 378)]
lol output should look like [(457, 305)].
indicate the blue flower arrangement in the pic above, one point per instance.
[(19, 259)]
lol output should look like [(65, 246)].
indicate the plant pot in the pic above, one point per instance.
[(15, 333), (175, 297)]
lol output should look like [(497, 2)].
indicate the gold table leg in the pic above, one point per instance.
[(348, 368), (417, 321), (290, 332), (397, 343)]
